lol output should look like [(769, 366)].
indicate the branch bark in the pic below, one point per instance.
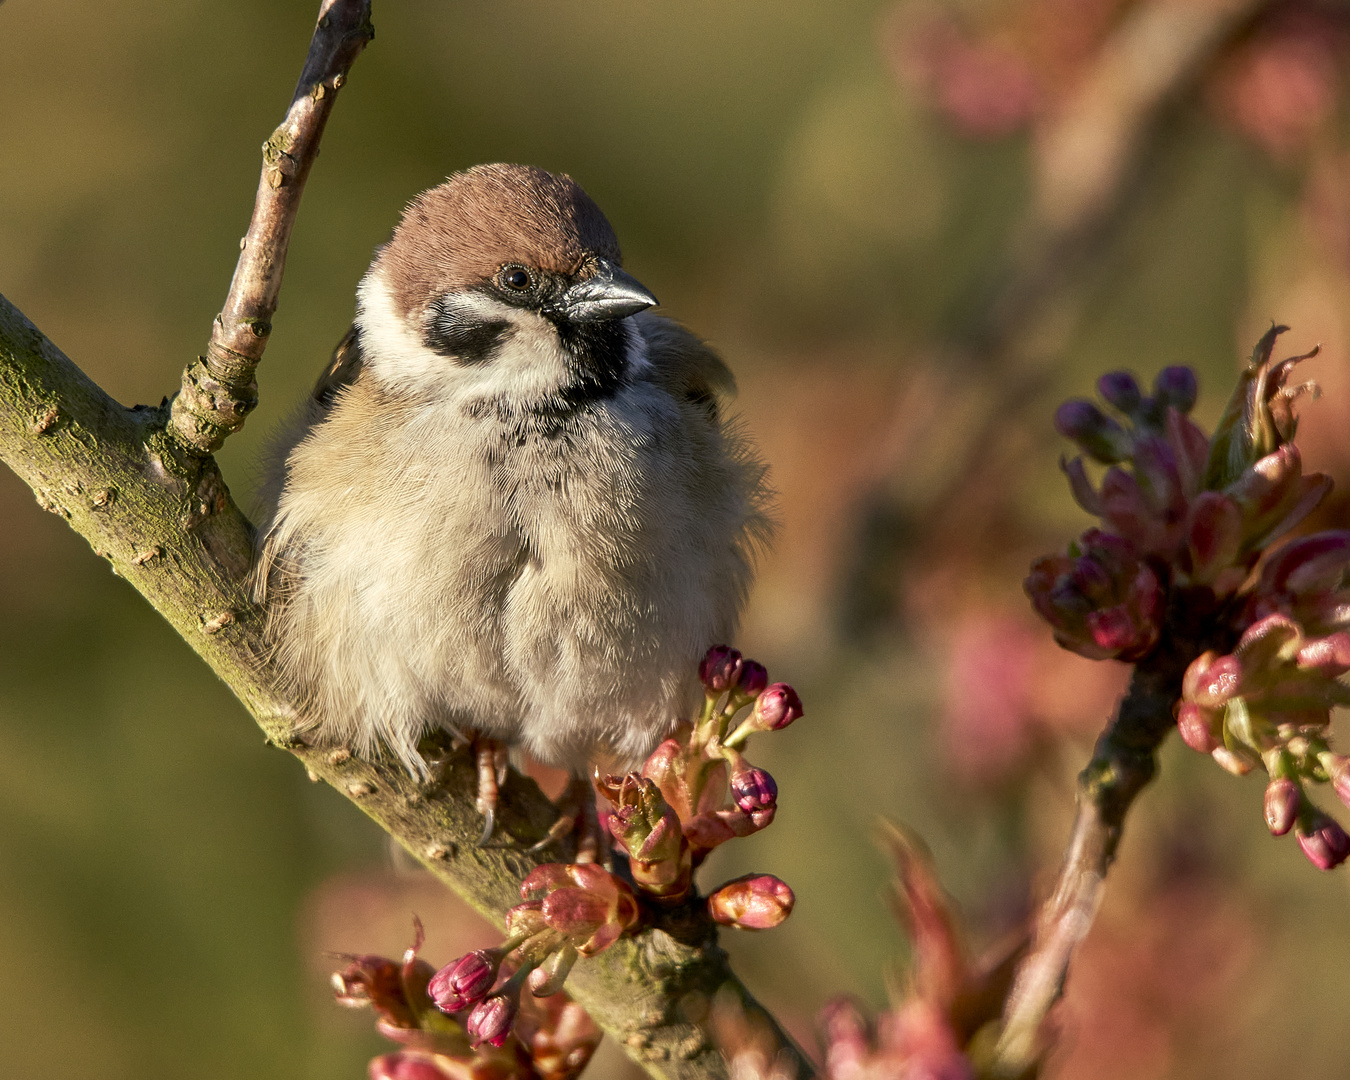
[(140, 485), (1123, 762), (219, 389)]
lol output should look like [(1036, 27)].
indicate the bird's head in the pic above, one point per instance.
[(502, 286)]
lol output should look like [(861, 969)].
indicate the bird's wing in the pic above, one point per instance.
[(342, 370), (684, 365)]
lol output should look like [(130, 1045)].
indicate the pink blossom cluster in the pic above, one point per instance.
[(1190, 532), (695, 792)]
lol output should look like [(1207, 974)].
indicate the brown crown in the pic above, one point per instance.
[(461, 232)]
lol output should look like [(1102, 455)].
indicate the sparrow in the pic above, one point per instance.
[(512, 508)]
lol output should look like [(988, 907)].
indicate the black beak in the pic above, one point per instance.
[(608, 293)]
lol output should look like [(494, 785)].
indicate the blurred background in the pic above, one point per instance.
[(912, 229)]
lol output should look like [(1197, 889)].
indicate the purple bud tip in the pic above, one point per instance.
[(1121, 390), (754, 790), (463, 982), (1283, 799), (1323, 841), (754, 678), (777, 707), (1177, 387), (1078, 419), (1100, 437), (491, 1020), (720, 669)]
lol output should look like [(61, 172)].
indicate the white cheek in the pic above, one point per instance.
[(530, 365)]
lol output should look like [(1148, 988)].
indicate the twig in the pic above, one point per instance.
[(219, 389), (1123, 762), (140, 486), (1088, 161)]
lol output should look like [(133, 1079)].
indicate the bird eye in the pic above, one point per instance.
[(516, 277)]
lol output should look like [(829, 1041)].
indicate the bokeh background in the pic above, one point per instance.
[(894, 222)]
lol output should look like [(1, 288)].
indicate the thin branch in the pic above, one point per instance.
[(1123, 762), (141, 487), (1088, 162), (219, 389)]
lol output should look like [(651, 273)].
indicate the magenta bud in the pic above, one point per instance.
[(754, 678), (1120, 389), (404, 1066), (1323, 841), (1338, 772), (1195, 729), (1283, 799), (753, 902), (1176, 386), (776, 708), (754, 790), (463, 982), (719, 669), (1100, 437), (492, 1019)]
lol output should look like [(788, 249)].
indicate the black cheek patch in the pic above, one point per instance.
[(464, 338)]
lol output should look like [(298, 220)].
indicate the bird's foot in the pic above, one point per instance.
[(491, 759), (577, 818)]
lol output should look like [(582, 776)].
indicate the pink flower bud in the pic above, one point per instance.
[(753, 790), (1323, 841), (719, 669), (405, 1065), (464, 982), (754, 678), (776, 708), (753, 902), (1176, 387), (1195, 728), (492, 1019), (1338, 772), (1100, 437), (1283, 799), (847, 1037), (575, 913)]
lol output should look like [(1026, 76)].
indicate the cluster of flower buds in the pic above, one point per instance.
[(694, 792), (1178, 508), (553, 1040), (697, 791), (1186, 519), (1268, 702)]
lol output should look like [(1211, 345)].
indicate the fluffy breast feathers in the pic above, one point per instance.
[(428, 565)]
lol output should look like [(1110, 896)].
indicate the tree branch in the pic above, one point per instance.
[(139, 484), (1087, 163), (1122, 764), (219, 389)]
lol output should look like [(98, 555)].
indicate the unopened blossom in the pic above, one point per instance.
[(465, 981), (1283, 800), (582, 903), (753, 902), (650, 831), (720, 669), (1323, 841), (492, 1018), (1101, 599)]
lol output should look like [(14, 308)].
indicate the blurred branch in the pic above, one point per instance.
[(1088, 159), (219, 389), (1123, 762), (140, 485)]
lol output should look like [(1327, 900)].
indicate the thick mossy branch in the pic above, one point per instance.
[(164, 519)]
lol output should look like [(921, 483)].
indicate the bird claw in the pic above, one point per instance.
[(577, 818), (490, 757)]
